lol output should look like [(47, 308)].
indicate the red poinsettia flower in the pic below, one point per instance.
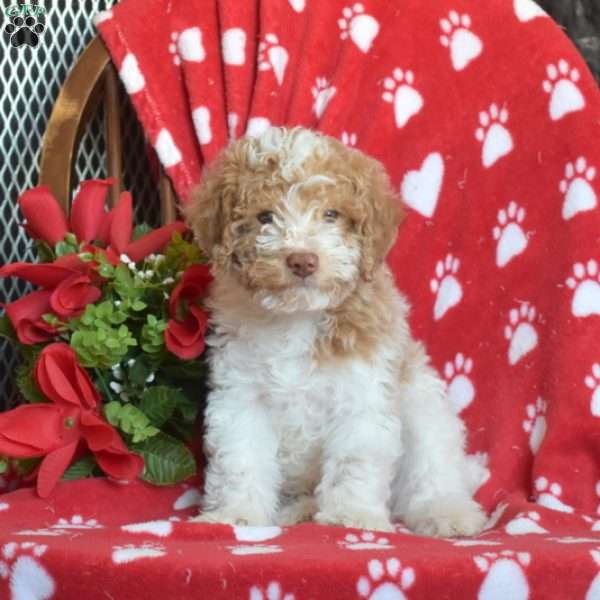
[(46, 219), (120, 228), (55, 430), (185, 331)]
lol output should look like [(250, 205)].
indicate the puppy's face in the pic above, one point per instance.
[(297, 218)]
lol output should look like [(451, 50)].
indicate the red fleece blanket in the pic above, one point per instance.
[(489, 124)]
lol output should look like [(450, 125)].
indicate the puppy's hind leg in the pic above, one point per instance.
[(433, 491)]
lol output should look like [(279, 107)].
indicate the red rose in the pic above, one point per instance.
[(55, 430), (185, 331), (69, 291), (185, 339), (25, 315), (70, 297)]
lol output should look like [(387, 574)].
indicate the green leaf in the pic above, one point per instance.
[(138, 305), (159, 403), (166, 460), (194, 370), (125, 284), (3, 465), (63, 248), (139, 371), (188, 411), (44, 251), (24, 466), (106, 271), (84, 467), (129, 419), (6, 329), (26, 383), (112, 412), (141, 230)]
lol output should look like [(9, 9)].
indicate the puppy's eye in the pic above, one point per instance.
[(331, 215), (265, 217)]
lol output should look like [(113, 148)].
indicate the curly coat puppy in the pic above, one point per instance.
[(322, 405)]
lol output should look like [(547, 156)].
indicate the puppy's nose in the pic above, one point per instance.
[(302, 264)]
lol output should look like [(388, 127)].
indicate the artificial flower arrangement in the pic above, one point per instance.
[(111, 343)]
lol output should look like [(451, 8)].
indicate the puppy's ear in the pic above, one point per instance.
[(383, 213), (209, 208)]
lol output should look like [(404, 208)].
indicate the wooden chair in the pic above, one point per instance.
[(92, 79)]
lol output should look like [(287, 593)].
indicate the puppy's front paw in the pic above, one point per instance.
[(231, 517), (299, 510), (447, 519), (355, 519)]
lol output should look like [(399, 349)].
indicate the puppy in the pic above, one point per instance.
[(322, 406)]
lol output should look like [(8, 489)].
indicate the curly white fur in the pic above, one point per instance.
[(352, 441)]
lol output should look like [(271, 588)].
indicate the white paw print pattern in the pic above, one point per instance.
[(509, 234), (349, 139), (173, 48), (233, 44), (520, 332), (548, 495), (360, 27), (273, 56), (387, 579), (400, 92), (273, 591), (505, 577), (247, 550), (322, 93), (27, 578), (577, 188), (586, 289), (457, 36), (190, 498), (251, 535), (189, 44), (4, 506), (446, 287), (592, 381), (460, 387), (535, 424), (561, 85), (201, 120), (257, 126), (525, 523), (298, 5), (159, 528), (233, 120), (421, 188), (130, 74), (167, 150), (77, 522), (527, 10), (130, 552), (367, 540), (494, 135), (593, 592), (103, 15)]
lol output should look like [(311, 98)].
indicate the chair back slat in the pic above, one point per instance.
[(114, 142)]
